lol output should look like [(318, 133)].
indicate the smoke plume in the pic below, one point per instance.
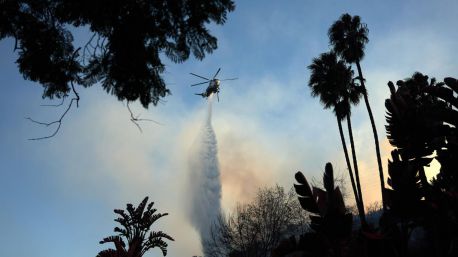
[(205, 184)]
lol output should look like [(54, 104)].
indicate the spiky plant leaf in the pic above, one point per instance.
[(339, 201), (305, 197), (321, 199), (328, 178)]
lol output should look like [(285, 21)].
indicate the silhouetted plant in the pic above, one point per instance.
[(329, 219), (406, 193), (348, 36), (135, 232), (331, 80), (447, 153), (422, 120), (328, 212)]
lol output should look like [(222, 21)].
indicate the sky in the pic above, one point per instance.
[(57, 196)]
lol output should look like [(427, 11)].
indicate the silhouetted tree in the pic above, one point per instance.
[(348, 36), (123, 55), (124, 50), (135, 232), (331, 80), (254, 229)]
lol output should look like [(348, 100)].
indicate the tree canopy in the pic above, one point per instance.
[(125, 49)]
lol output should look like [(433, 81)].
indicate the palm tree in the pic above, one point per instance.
[(354, 94), (136, 224), (331, 80), (348, 36)]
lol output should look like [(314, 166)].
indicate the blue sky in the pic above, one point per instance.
[(57, 195)]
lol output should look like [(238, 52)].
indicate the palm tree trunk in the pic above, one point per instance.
[(355, 166), (424, 182), (350, 171), (374, 131)]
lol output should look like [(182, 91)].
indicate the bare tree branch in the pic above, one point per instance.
[(254, 229), (90, 50), (59, 121), (86, 48), (135, 119)]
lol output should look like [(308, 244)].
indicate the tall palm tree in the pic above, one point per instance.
[(351, 94), (330, 79), (348, 36), (136, 224)]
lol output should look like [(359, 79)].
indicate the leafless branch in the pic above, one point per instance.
[(90, 48), (339, 181), (77, 96), (86, 47), (59, 121), (254, 229), (135, 119)]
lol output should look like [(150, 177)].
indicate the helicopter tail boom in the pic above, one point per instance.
[(202, 94)]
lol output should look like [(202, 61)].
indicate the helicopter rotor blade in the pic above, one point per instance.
[(228, 79), (216, 73), (199, 76), (193, 85)]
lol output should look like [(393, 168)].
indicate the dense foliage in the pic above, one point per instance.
[(422, 121), (124, 52)]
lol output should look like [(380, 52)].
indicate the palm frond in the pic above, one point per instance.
[(348, 36), (117, 241), (160, 234), (331, 81), (156, 241), (136, 224), (108, 253), (141, 207), (157, 216)]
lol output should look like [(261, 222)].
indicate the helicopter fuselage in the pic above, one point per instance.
[(213, 85)]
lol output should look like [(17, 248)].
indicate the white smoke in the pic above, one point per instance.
[(205, 184)]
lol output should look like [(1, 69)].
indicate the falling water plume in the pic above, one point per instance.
[(204, 179)]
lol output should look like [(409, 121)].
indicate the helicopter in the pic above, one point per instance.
[(213, 84)]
